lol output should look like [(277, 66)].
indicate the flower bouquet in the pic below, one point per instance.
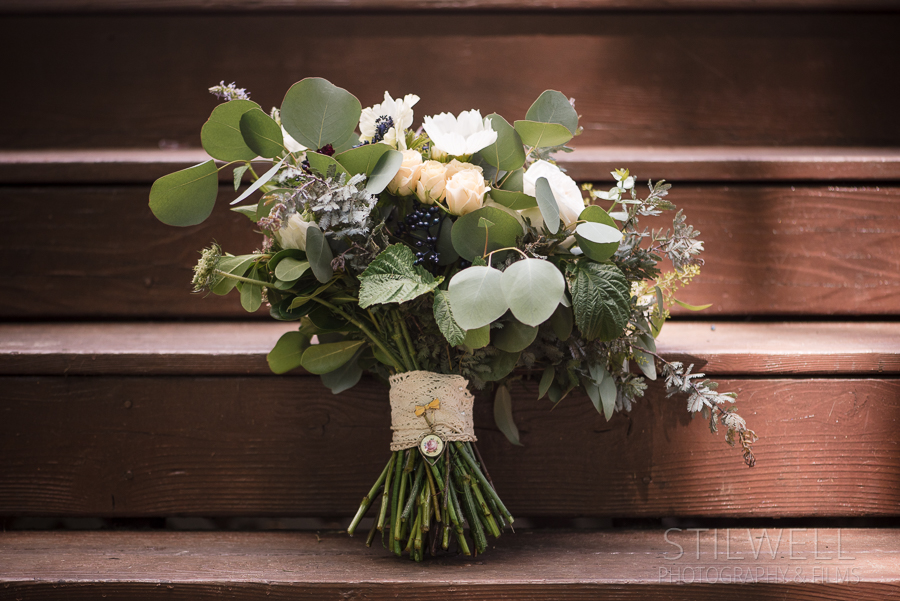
[(451, 257)]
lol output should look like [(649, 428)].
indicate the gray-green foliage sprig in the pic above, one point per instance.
[(341, 205)]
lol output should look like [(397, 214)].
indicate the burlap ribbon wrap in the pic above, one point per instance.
[(451, 420)]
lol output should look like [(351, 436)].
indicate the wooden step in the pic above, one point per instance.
[(187, 423), (563, 566)]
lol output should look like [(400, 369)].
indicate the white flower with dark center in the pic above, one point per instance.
[(459, 136), (387, 121)]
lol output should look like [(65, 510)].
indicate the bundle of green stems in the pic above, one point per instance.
[(426, 502)]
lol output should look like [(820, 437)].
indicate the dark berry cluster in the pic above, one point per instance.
[(423, 227)]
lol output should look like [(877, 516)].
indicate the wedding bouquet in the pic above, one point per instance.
[(441, 259)]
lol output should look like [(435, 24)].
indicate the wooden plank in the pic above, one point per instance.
[(177, 6), (270, 446), (586, 163), (640, 79), (770, 250), (530, 565), (806, 348)]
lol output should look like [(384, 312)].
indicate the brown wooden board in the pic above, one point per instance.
[(98, 252), (586, 163), (270, 446), (630, 565), (240, 348), (639, 79)]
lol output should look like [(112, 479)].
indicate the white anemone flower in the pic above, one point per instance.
[(397, 114), (460, 136), (292, 145)]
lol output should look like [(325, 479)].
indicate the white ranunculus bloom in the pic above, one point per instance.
[(290, 143), (293, 233), (565, 190), (465, 192), (460, 136), (404, 183), (398, 112)]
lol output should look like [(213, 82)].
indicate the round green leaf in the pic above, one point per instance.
[(513, 200), (261, 134), (384, 171), (321, 162), (596, 214), (507, 153), (514, 182), (344, 377), (287, 352), (316, 112), (598, 240), (281, 254), (186, 197), (547, 203), (542, 135), (515, 336), (476, 298), (251, 297), (500, 365), (363, 159), (289, 269), (221, 134), (554, 107), (323, 358), (468, 238), (478, 338), (532, 288)]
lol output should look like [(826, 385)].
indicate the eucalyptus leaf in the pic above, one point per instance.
[(221, 134), (593, 392), (515, 336), (344, 377), (691, 307), (562, 322), (532, 288), (289, 269), (454, 334), (553, 107), (513, 200), (501, 365), (608, 392), (645, 361), (251, 295), (542, 135), (265, 177), (546, 380), (476, 298), (392, 277), (323, 358), (261, 134), (547, 203), (319, 254), (514, 182), (596, 214), (503, 416), (445, 248), (282, 254), (363, 159), (384, 171), (248, 211), (315, 113), (600, 299), (469, 239), (598, 241), (186, 197), (321, 162), (234, 266), (239, 172), (287, 352), (478, 338), (507, 153)]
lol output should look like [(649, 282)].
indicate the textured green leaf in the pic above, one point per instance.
[(315, 112), (186, 197), (384, 171), (507, 153), (344, 377), (476, 298), (542, 135), (289, 269), (532, 288), (221, 134), (554, 107), (515, 336), (323, 358), (393, 278), (478, 338), (503, 416), (319, 254), (600, 299), (287, 352), (468, 239), (454, 334), (547, 203), (261, 134)]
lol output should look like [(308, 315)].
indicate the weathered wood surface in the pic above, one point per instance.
[(270, 446), (586, 163), (640, 79), (635, 565), (98, 252), (170, 6), (240, 348)]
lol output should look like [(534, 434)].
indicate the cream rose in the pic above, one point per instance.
[(432, 181), (565, 190), (465, 192), (454, 167), (293, 233), (404, 183)]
